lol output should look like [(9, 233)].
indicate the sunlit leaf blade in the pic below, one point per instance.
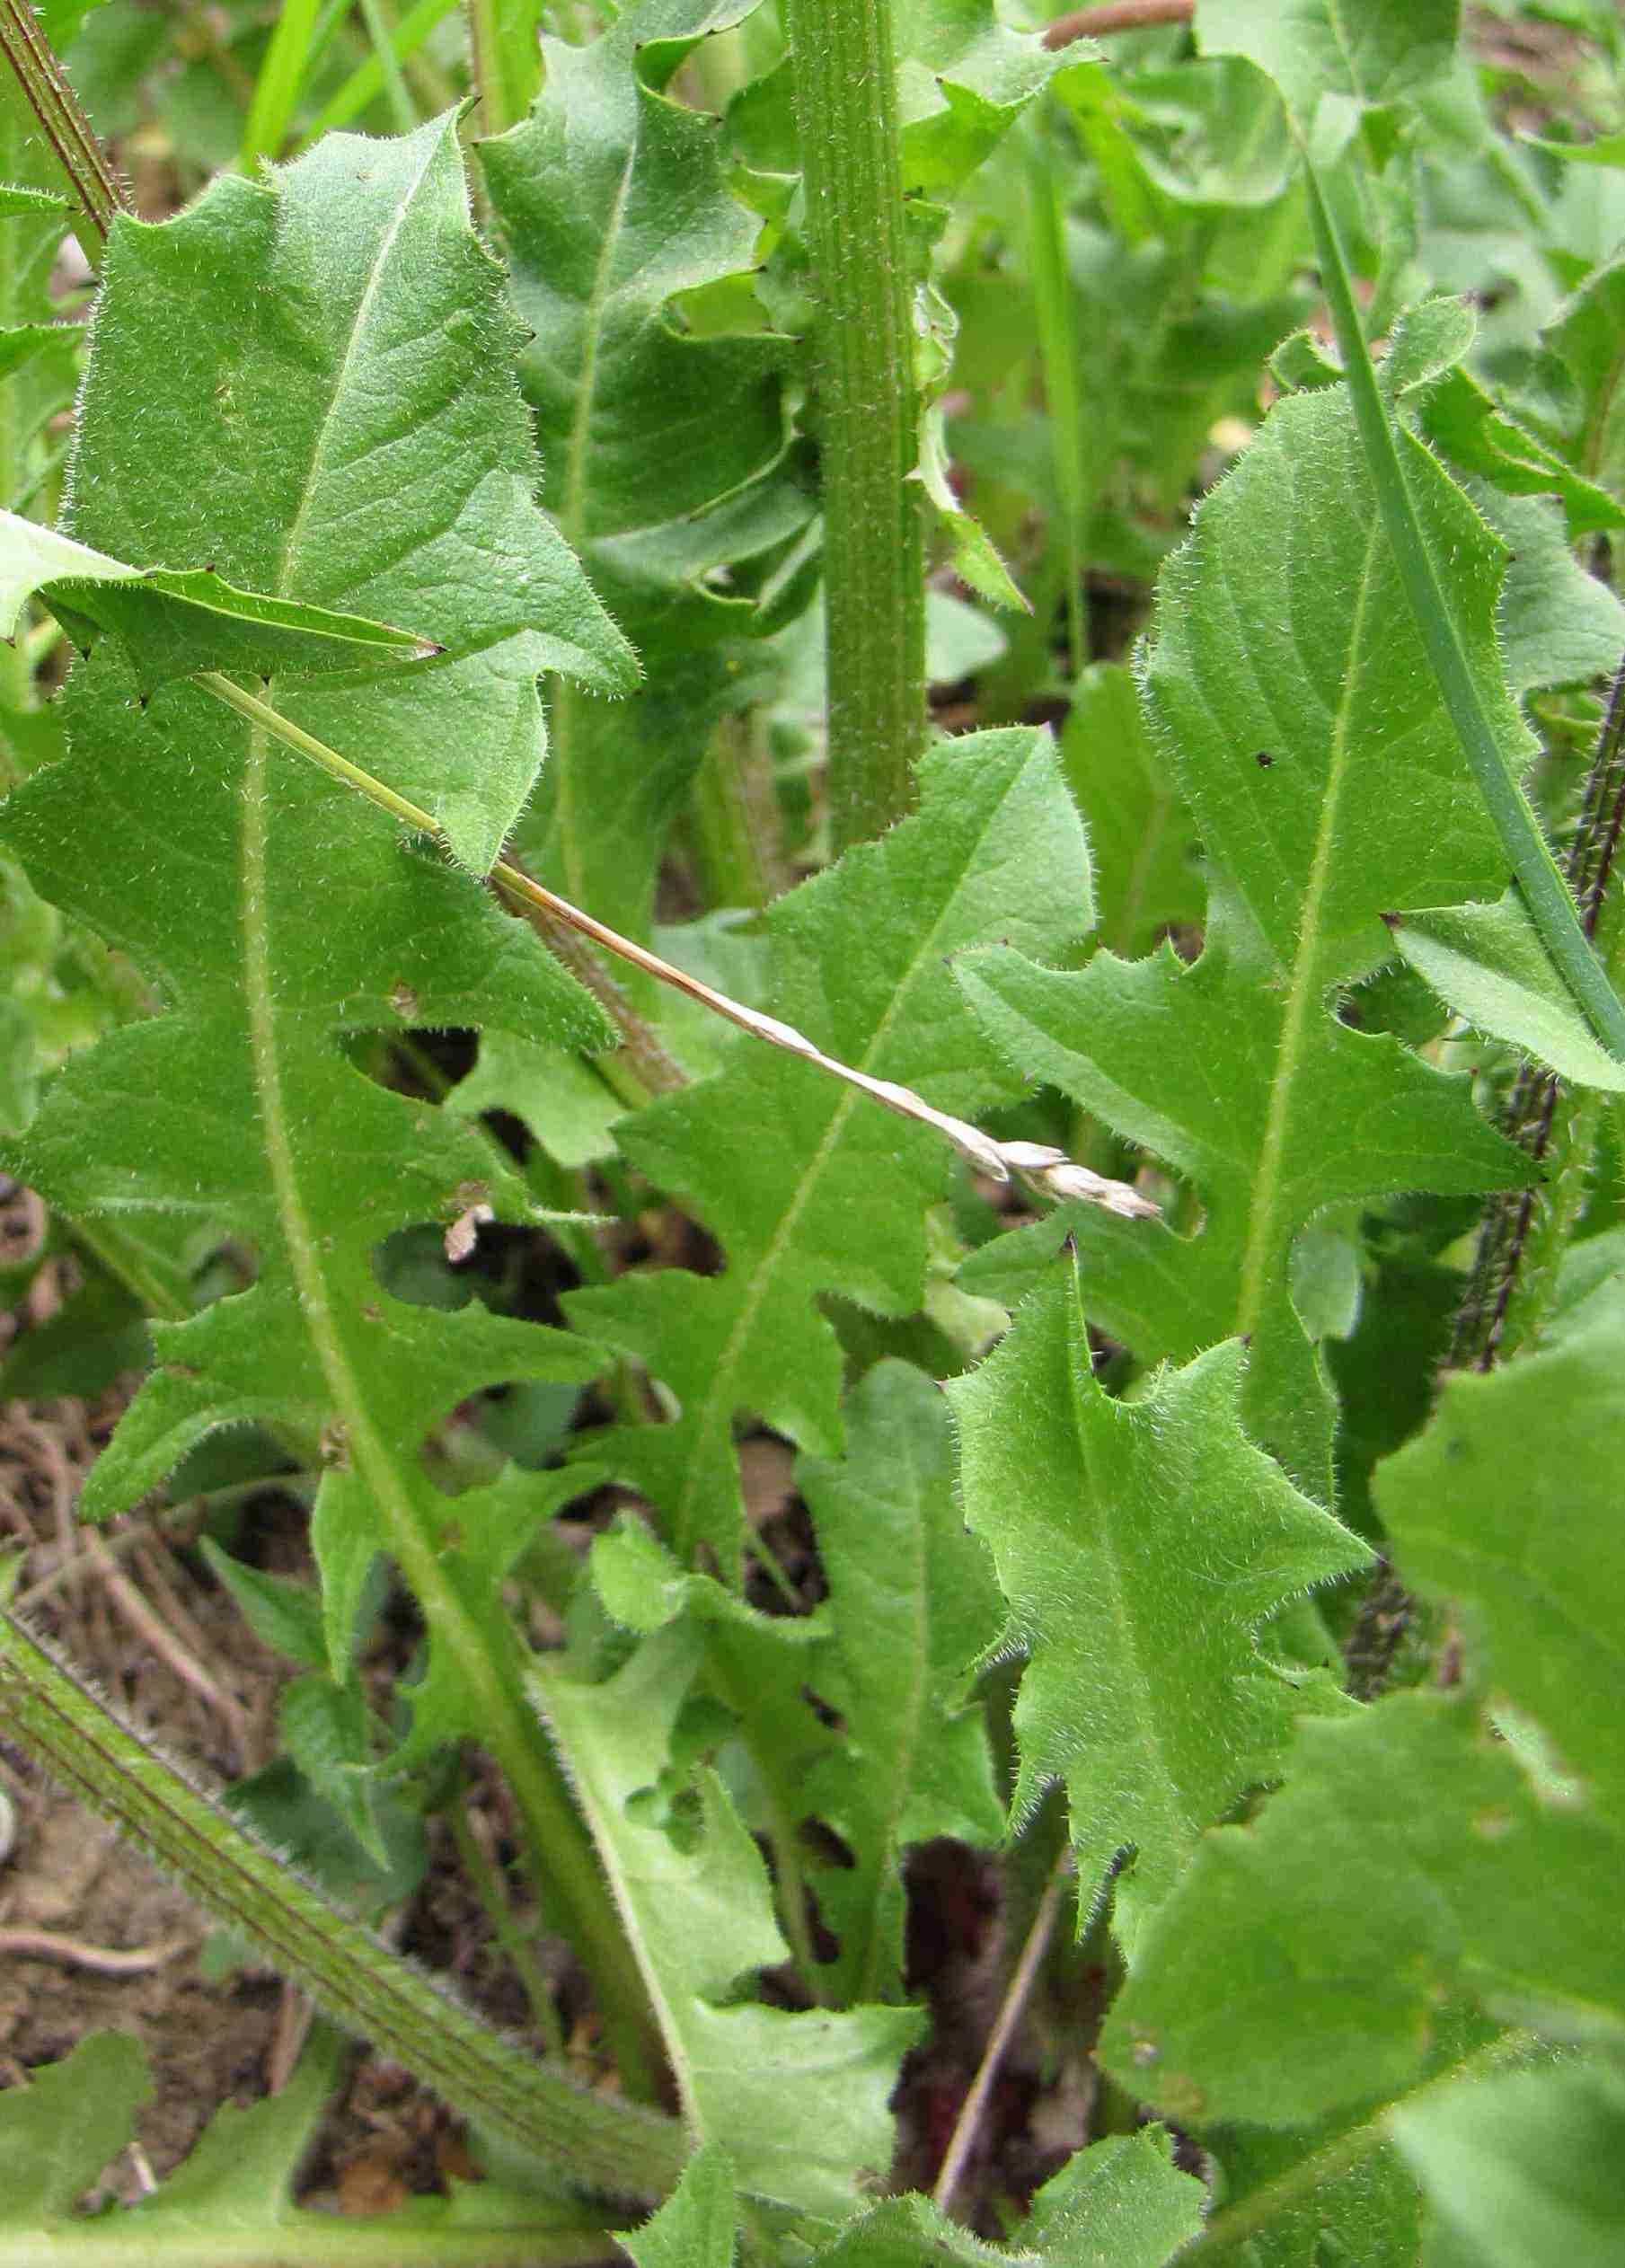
[(913, 1604), (1365, 51), (963, 79), (1285, 679), (243, 2165), (797, 2101), (1306, 1963), (698, 2225), (1507, 1504), (273, 910), (639, 425), (341, 424), (662, 449), (807, 1185), (1139, 1545), (1523, 2169), (1487, 964), (173, 624)]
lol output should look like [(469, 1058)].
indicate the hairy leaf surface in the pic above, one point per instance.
[(807, 1185), (698, 2225), (273, 911), (1286, 680), (173, 624), (340, 423), (1139, 1544), (663, 451), (1121, 2203), (1306, 1963)]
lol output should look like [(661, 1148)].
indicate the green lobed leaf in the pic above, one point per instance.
[(698, 2225), (1504, 1506), (59, 2134), (1120, 2203), (1465, 420), (1364, 51), (1487, 964), (1285, 679), (1305, 1963), (274, 912), (797, 2101), (913, 1604), (1523, 2169), (341, 424), (963, 79), (663, 446), (809, 1186), (170, 624), (1139, 1545)]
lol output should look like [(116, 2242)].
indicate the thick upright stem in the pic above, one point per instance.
[(845, 90)]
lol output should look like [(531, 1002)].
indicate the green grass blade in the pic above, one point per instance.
[(286, 60), (1544, 889)]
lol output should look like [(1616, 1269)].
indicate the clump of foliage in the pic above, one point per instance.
[(572, 484)]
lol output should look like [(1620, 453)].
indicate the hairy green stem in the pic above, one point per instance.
[(62, 122), (591, 2140), (1546, 894), (844, 75)]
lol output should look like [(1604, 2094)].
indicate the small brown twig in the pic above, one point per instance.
[(1117, 15), (640, 1049), (76, 1952), (1010, 2008)]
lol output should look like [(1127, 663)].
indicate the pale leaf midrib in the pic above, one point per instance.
[(375, 1464), (1304, 994), (717, 1406)]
